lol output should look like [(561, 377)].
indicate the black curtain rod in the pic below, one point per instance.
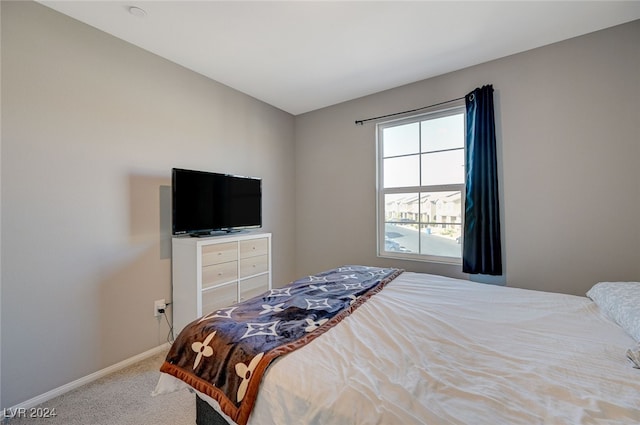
[(361, 122)]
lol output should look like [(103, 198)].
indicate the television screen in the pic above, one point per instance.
[(204, 202)]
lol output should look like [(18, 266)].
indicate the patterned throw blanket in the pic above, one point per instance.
[(224, 354)]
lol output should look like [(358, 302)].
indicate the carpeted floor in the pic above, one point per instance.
[(122, 398)]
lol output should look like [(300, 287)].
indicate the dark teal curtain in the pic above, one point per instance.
[(482, 252)]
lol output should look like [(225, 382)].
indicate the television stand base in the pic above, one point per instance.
[(215, 233)]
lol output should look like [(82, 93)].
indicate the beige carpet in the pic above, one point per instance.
[(122, 398)]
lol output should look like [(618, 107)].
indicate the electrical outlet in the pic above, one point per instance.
[(157, 306)]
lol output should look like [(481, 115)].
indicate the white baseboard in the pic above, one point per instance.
[(87, 379)]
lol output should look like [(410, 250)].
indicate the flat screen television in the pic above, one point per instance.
[(204, 203)]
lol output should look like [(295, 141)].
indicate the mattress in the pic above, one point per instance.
[(434, 350)]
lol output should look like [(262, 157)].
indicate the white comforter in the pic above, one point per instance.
[(434, 350)]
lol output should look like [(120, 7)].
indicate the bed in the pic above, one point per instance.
[(427, 349)]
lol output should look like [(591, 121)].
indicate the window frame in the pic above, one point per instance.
[(452, 109)]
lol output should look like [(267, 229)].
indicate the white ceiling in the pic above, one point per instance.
[(304, 55)]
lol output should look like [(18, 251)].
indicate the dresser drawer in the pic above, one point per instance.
[(254, 247), (253, 286), (219, 273), (254, 265), (220, 297), (219, 253)]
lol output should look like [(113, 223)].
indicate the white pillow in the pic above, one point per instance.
[(621, 302)]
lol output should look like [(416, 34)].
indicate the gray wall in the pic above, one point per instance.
[(568, 139), (91, 128), (1, 209)]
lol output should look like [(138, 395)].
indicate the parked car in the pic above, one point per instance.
[(391, 245)]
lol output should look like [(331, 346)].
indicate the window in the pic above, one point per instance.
[(421, 173)]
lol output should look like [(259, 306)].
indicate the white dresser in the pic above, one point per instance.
[(214, 272)]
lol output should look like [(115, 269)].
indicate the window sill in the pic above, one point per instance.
[(421, 258)]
